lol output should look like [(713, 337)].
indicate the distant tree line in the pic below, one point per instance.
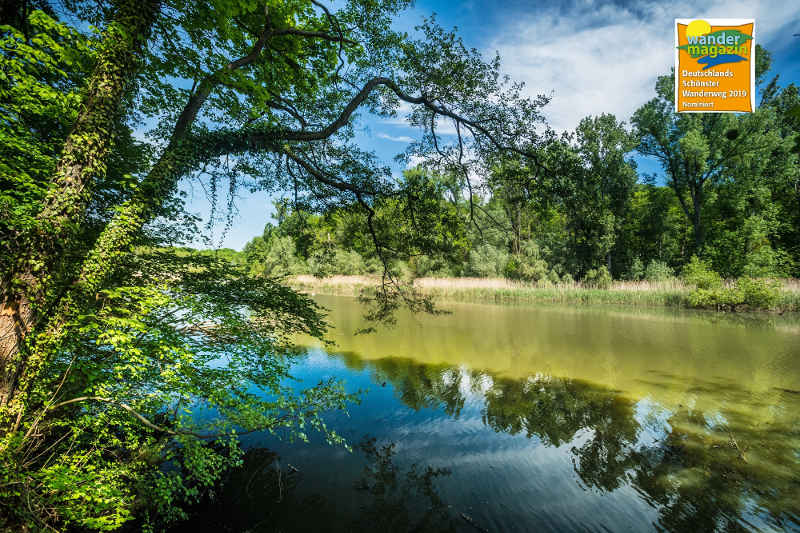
[(729, 197)]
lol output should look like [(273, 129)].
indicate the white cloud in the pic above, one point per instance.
[(413, 161), (399, 138), (605, 58)]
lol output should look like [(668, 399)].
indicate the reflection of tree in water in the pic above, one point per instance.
[(556, 410), (401, 501), (418, 386), (263, 496), (704, 471), (710, 476)]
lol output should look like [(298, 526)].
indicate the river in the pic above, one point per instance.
[(538, 418)]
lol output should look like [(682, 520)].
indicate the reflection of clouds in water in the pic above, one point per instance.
[(613, 443), (715, 420), (653, 419), (666, 456), (318, 359)]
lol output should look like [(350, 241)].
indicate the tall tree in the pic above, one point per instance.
[(276, 86), (258, 93), (603, 145), (694, 148)]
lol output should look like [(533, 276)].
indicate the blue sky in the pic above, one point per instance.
[(569, 49)]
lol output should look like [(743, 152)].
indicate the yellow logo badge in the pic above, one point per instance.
[(714, 65)]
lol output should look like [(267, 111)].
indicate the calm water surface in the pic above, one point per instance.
[(539, 418)]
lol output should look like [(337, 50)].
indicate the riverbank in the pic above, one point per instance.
[(671, 293)]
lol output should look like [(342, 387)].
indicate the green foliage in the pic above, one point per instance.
[(745, 292), (322, 261), (195, 333), (759, 293), (350, 262), (658, 271), (598, 278), (432, 266), (700, 274), (761, 259), (487, 261), (637, 269), (727, 172), (276, 257), (41, 79), (527, 265)]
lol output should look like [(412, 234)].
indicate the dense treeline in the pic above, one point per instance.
[(729, 196)]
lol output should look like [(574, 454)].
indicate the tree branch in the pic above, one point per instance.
[(204, 88), (315, 34), (158, 428), (319, 175), (122, 405), (226, 141)]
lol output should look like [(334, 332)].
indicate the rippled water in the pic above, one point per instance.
[(546, 418)]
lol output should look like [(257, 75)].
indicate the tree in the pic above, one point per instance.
[(603, 143), (258, 126), (654, 228), (259, 94), (695, 149)]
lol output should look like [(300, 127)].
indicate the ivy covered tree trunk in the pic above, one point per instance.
[(37, 281)]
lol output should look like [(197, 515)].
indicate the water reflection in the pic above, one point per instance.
[(539, 419), (262, 496), (713, 470), (400, 500), (418, 385)]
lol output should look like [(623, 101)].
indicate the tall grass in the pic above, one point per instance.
[(501, 290), (669, 293)]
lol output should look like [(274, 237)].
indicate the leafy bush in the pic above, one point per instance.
[(328, 260), (719, 298), (699, 273), (761, 260), (373, 265), (637, 270), (433, 266), (764, 262), (759, 293), (521, 268), (400, 269), (280, 259), (349, 263), (753, 293), (598, 278), (567, 279), (513, 268), (658, 271), (527, 265), (486, 261)]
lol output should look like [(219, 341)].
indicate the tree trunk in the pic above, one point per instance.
[(16, 320), (82, 161)]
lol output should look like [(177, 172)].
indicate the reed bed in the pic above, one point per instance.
[(501, 290), (669, 293), (505, 291)]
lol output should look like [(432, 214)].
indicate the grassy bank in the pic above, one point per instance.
[(671, 293)]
